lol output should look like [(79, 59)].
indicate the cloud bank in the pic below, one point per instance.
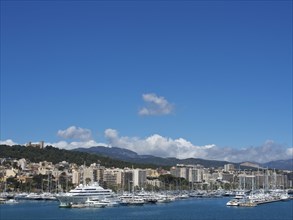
[(155, 105), (181, 148), (158, 145), (8, 142)]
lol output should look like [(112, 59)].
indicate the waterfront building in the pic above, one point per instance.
[(207, 177), (75, 177), (45, 167), (10, 173), (228, 177), (139, 177), (88, 175), (154, 182), (216, 176), (183, 171), (127, 179), (195, 175), (22, 163), (247, 182), (229, 167), (174, 172), (152, 173), (113, 178)]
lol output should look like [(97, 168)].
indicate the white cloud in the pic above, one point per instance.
[(155, 105), (268, 151), (181, 148), (157, 145), (290, 152), (8, 142), (75, 133), (75, 144), (111, 133)]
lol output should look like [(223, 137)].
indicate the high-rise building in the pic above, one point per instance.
[(139, 177), (229, 167), (127, 179)]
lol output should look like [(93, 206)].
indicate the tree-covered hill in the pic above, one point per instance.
[(56, 155)]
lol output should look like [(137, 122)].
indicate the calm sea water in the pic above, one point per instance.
[(206, 209)]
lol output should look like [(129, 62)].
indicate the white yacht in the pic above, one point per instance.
[(83, 192), (11, 201), (95, 203), (239, 198), (135, 200), (233, 202)]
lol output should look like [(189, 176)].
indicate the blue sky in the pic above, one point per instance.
[(171, 78)]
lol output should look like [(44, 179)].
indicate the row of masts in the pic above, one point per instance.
[(256, 182)]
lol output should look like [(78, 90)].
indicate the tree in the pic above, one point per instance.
[(87, 180), (37, 182), (227, 186), (12, 183)]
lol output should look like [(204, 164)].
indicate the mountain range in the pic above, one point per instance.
[(280, 164), (131, 156)]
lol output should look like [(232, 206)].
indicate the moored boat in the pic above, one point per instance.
[(83, 192), (94, 203)]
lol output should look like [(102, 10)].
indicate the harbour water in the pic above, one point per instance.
[(206, 209)]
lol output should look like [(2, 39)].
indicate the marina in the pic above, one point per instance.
[(95, 202), (98, 197), (191, 208), (254, 198)]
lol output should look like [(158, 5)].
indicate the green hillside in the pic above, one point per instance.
[(56, 155)]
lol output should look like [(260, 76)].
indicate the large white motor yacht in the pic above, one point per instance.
[(83, 192)]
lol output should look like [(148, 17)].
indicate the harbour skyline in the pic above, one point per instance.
[(207, 79)]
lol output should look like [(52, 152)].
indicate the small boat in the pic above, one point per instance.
[(95, 203), (240, 197), (78, 206), (151, 200), (163, 200), (110, 203), (48, 196), (233, 202), (65, 205), (33, 196), (2, 200), (11, 201), (135, 200), (284, 197)]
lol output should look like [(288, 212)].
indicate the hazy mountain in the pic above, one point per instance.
[(131, 156), (277, 164), (251, 164), (280, 164)]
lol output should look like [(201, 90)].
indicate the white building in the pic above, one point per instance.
[(22, 163), (195, 175), (75, 177), (139, 177), (229, 167)]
